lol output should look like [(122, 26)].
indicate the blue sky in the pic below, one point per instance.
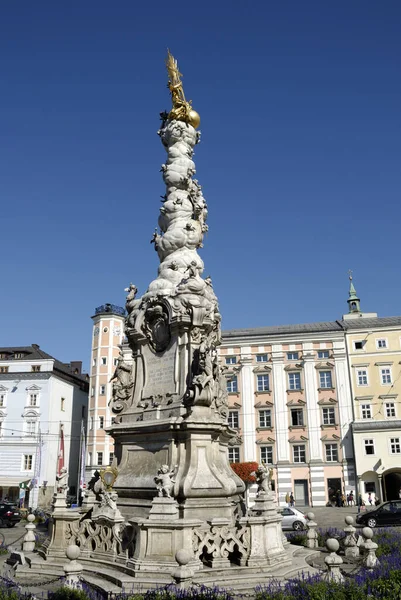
[(299, 160)]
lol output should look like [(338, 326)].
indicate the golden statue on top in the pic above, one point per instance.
[(182, 109)]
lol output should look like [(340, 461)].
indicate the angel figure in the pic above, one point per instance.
[(165, 481), (263, 479)]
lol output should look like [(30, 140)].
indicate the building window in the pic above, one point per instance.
[(359, 345), (231, 360), (331, 452), (105, 329), (104, 360), (33, 399), (232, 385), (99, 459), (233, 418), (299, 453), (111, 457), (329, 416), (115, 361), (2, 400), (91, 423), (369, 446), (3, 369), (233, 455), (381, 343), (323, 354), (35, 368), (263, 383), (89, 459), (265, 418), (366, 411), (92, 392), (294, 381), (83, 412), (31, 427), (292, 355), (395, 446), (390, 410), (325, 379), (94, 362), (27, 462), (385, 375), (62, 404), (101, 422), (18, 355), (297, 417), (102, 390), (261, 358), (362, 377), (266, 454)]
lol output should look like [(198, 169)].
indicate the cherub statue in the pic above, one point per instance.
[(165, 481), (62, 481), (263, 479)]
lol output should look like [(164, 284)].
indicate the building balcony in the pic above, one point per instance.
[(110, 309)]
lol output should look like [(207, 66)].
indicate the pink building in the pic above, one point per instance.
[(290, 402)]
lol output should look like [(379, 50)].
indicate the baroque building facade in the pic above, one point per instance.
[(107, 337), (290, 403), (374, 351), (39, 397)]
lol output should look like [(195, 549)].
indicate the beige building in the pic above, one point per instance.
[(290, 402), (374, 351), (107, 335)]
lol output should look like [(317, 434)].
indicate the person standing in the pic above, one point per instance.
[(292, 499), (370, 499)]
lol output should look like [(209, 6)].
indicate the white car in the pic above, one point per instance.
[(293, 519)]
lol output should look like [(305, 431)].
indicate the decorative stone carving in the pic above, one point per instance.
[(122, 384), (351, 539), (333, 562), (263, 476), (109, 539), (165, 481), (370, 559), (312, 535), (62, 481), (156, 326), (201, 389), (219, 542)]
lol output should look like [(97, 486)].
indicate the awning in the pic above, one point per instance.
[(9, 481)]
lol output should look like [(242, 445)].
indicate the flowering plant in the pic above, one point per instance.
[(245, 471)]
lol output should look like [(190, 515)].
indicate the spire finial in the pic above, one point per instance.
[(353, 300), (182, 109)]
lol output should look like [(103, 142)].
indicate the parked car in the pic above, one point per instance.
[(9, 515), (293, 519), (388, 513)]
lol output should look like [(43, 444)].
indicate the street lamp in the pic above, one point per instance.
[(108, 477)]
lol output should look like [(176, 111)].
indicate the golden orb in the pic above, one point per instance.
[(193, 118)]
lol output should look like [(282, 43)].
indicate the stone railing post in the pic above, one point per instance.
[(312, 535), (73, 569), (350, 541), (333, 562), (28, 544), (183, 574), (370, 559)]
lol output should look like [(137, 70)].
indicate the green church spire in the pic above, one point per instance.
[(353, 300)]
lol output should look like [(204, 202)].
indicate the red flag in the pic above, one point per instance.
[(60, 460)]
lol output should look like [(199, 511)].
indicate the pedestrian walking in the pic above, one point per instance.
[(292, 499)]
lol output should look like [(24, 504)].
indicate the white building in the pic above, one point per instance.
[(39, 395)]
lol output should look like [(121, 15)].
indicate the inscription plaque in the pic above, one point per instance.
[(159, 371)]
